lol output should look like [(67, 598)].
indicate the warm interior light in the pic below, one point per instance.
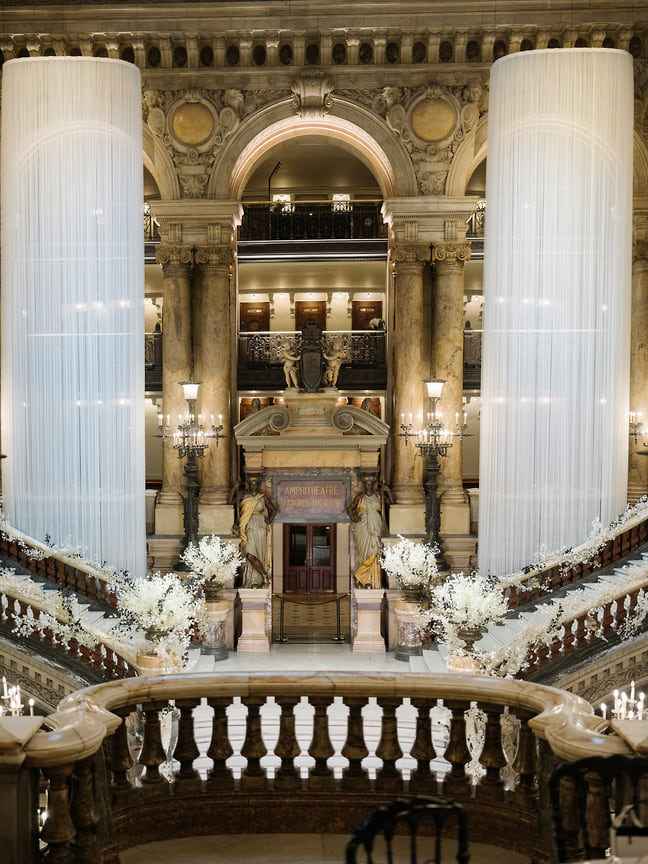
[(434, 387), (190, 389)]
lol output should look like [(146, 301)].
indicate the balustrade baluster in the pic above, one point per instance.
[(152, 755), (287, 749), (568, 816), (121, 760), (526, 759), (220, 748), (597, 814), (355, 749), (186, 749), (321, 749), (84, 813), (388, 749), (492, 756), (421, 779), (457, 753), (58, 830), (253, 776)]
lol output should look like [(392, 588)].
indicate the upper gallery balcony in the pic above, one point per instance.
[(312, 220)]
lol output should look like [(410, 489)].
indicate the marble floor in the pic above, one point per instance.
[(295, 849), (321, 657)]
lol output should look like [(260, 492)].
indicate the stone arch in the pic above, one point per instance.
[(469, 154), (161, 166), (347, 125), (639, 166)]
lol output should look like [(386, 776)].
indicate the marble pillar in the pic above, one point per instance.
[(638, 463), (177, 366), (409, 371), (447, 363), (214, 347)]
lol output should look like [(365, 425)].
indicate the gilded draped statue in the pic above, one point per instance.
[(256, 510), (366, 512)]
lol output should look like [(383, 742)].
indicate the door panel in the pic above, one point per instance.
[(311, 310), (309, 559)]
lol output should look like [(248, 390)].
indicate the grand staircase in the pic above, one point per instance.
[(588, 614)]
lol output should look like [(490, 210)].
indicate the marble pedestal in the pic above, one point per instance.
[(253, 636), (408, 616), (369, 606), (214, 634)]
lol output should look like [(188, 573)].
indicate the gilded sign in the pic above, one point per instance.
[(301, 498)]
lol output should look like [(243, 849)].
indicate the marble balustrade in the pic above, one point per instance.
[(299, 751)]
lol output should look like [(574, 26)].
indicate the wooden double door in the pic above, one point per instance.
[(309, 558)]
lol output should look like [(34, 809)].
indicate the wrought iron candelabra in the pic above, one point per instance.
[(190, 440), (432, 441)]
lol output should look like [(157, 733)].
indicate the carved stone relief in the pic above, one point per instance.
[(430, 121), (193, 124)]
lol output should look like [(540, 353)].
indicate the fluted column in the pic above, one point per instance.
[(447, 362), (409, 371), (638, 464), (177, 360), (213, 345)]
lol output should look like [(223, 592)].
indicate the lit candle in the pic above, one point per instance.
[(603, 710), (220, 419), (402, 419), (632, 691), (4, 686), (31, 707), (160, 420)]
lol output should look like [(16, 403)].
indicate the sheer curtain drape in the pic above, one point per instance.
[(72, 305), (556, 345)]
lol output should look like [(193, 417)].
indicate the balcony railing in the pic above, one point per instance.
[(364, 363), (153, 361), (300, 752), (312, 221)]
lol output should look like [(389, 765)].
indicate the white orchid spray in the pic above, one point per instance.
[(412, 565), (213, 560), (464, 602), (162, 605)]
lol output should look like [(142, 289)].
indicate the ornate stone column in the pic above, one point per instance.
[(213, 341), (409, 371), (177, 360), (447, 363), (638, 461)]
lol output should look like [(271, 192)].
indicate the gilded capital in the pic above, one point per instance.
[(410, 253), (215, 256), (639, 250), (169, 257), (450, 253)]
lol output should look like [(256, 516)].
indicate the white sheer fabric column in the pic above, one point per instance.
[(72, 305), (557, 282)]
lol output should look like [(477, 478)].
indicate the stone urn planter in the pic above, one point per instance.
[(213, 633)]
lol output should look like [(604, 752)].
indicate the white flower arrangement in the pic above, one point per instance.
[(412, 565), (213, 560), (162, 605), (377, 323), (465, 602)]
